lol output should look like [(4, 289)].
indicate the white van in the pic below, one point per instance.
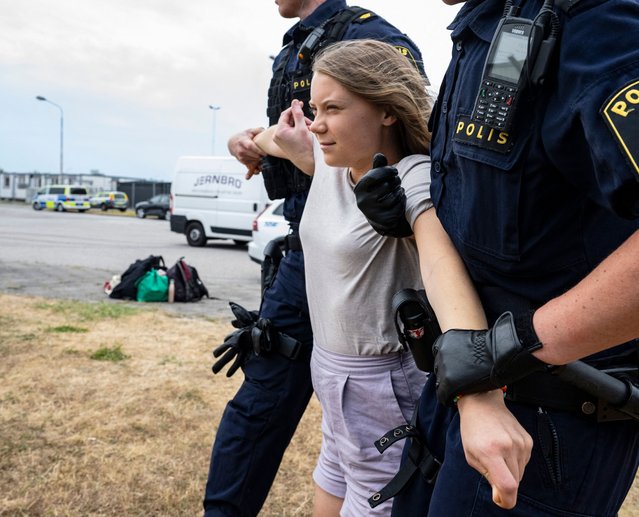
[(211, 199)]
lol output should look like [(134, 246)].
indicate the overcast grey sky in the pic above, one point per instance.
[(135, 78)]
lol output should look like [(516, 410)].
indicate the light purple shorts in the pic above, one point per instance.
[(362, 398)]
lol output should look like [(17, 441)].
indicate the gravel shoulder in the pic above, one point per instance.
[(86, 284)]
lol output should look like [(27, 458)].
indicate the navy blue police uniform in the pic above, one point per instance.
[(532, 211), (258, 424)]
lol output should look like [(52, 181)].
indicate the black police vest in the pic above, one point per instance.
[(281, 177)]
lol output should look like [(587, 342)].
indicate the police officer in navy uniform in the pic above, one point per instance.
[(258, 424), (545, 215)]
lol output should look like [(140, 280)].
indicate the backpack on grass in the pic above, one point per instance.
[(127, 288), (188, 286)]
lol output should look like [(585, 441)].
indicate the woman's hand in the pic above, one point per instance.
[(495, 444), (293, 137)]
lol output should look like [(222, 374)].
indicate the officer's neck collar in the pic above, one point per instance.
[(301, 29)]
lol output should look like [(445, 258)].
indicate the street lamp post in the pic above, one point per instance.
[(41, 98), (215, 110)]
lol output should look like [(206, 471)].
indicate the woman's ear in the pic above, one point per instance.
[(388, 119)]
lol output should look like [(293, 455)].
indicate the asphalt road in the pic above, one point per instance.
[(70, 255)]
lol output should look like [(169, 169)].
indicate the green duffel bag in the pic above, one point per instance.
[(153, 287)]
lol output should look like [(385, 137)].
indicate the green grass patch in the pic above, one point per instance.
[(114, 354), (89, 311), (68, 329)]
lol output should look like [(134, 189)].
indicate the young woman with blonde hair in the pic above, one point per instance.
[(366, 99)]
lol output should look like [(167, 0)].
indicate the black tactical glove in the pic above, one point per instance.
[(238, 344), (382, 200), (472, 361), (243, 318)]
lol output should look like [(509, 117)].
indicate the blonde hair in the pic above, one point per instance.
[(381, 75)]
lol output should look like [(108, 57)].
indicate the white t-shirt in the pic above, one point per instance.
[(352, 272)]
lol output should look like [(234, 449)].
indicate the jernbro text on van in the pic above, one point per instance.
[(222, 180)]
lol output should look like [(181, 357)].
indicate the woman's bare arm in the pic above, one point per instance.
[(494, 442), (264, 141), (448, 286)]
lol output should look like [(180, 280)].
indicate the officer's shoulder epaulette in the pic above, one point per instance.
[(362, 15), (352, 14)]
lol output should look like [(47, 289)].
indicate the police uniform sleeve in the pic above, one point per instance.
[(591, 129)]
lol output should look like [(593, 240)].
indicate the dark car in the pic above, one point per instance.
[(157, 205)]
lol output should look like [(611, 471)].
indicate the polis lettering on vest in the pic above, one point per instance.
[(481, 132), (304, 83)]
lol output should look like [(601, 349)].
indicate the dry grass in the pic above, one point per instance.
[(129, 435), (84, 437)]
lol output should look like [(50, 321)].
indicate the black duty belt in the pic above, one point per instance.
[(547, 390), (288, 346), (265, 338), (292, 242), (543, 389)]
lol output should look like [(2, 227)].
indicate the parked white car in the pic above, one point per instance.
[(268, 225)]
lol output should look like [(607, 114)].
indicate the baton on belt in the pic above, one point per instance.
[(622, 394), (420, 330)]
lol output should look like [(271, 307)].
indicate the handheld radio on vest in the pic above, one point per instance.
[(519, 56)]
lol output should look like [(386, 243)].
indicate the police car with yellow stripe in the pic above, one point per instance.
[(62, 198)]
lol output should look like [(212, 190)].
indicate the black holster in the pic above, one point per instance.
[(272, 258), (419, 327)]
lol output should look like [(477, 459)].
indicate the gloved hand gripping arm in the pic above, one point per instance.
[(495, 444), (473, 361)]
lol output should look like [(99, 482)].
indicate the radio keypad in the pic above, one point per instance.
[(494, 103)]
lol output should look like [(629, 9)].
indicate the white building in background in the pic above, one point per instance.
[(22, 186)]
